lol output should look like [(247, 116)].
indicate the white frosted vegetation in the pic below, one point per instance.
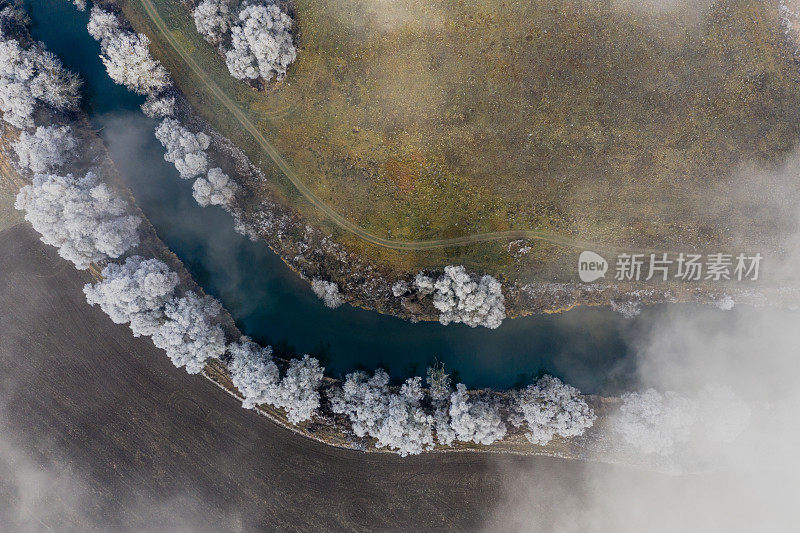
[(460, 299), (395, 420), (188, 333), (46, 149), (298, 392), (134, 293), (103, 26), (253, 372), (256, 39), (213, 19), (82, 217), (185, 150), (215, 189), (551, 408), (653, 422), (474, 420), (328, 292), (261, 43), (32, 76), (656, 423), (126, 55), (155, 107)]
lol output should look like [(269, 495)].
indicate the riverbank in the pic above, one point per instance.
[(118, 438), (315, 250)]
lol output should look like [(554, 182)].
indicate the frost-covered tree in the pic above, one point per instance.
[(438, 382), (29, 76), (128, 62), (82, 217), (134, 293), (549, 408), (445, 434), (254, 373), (186, 150), (261, 43), (46, 149), (126, 55), (52, 83), (460, 299), (103, 25), (215, 189), (159, 107), (328, 292), (213, 19), (474, 420), (653, 422), (400, 288), (298, 392), (188, 333), (12, 19), (396, 420), (424, 284), (80, 4)]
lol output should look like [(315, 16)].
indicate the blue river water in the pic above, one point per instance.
[(589, 348)]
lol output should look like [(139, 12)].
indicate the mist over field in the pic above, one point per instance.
[(745, 485)]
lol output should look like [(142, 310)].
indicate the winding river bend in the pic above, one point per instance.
[(585, 347)]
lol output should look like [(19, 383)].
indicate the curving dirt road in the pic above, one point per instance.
[(331, 213)]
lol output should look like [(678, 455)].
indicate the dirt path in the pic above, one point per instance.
[(332, 214)]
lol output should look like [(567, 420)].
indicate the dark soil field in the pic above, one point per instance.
[(99, 431)]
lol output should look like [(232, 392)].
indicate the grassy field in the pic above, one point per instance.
[(440, 118)]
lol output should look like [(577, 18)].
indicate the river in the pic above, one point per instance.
[(589, 348)]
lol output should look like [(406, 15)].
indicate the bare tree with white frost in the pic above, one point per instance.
[(186, 150), (298, 392), (46, 149), (328, 292), (188, 333), (215, 189), (134, 293), (31, 76), (82, 217), (261, 42), (126, 55), (551, 408), (396, 420), (253, 372)]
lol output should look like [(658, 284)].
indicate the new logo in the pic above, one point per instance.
[(591, 267)]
